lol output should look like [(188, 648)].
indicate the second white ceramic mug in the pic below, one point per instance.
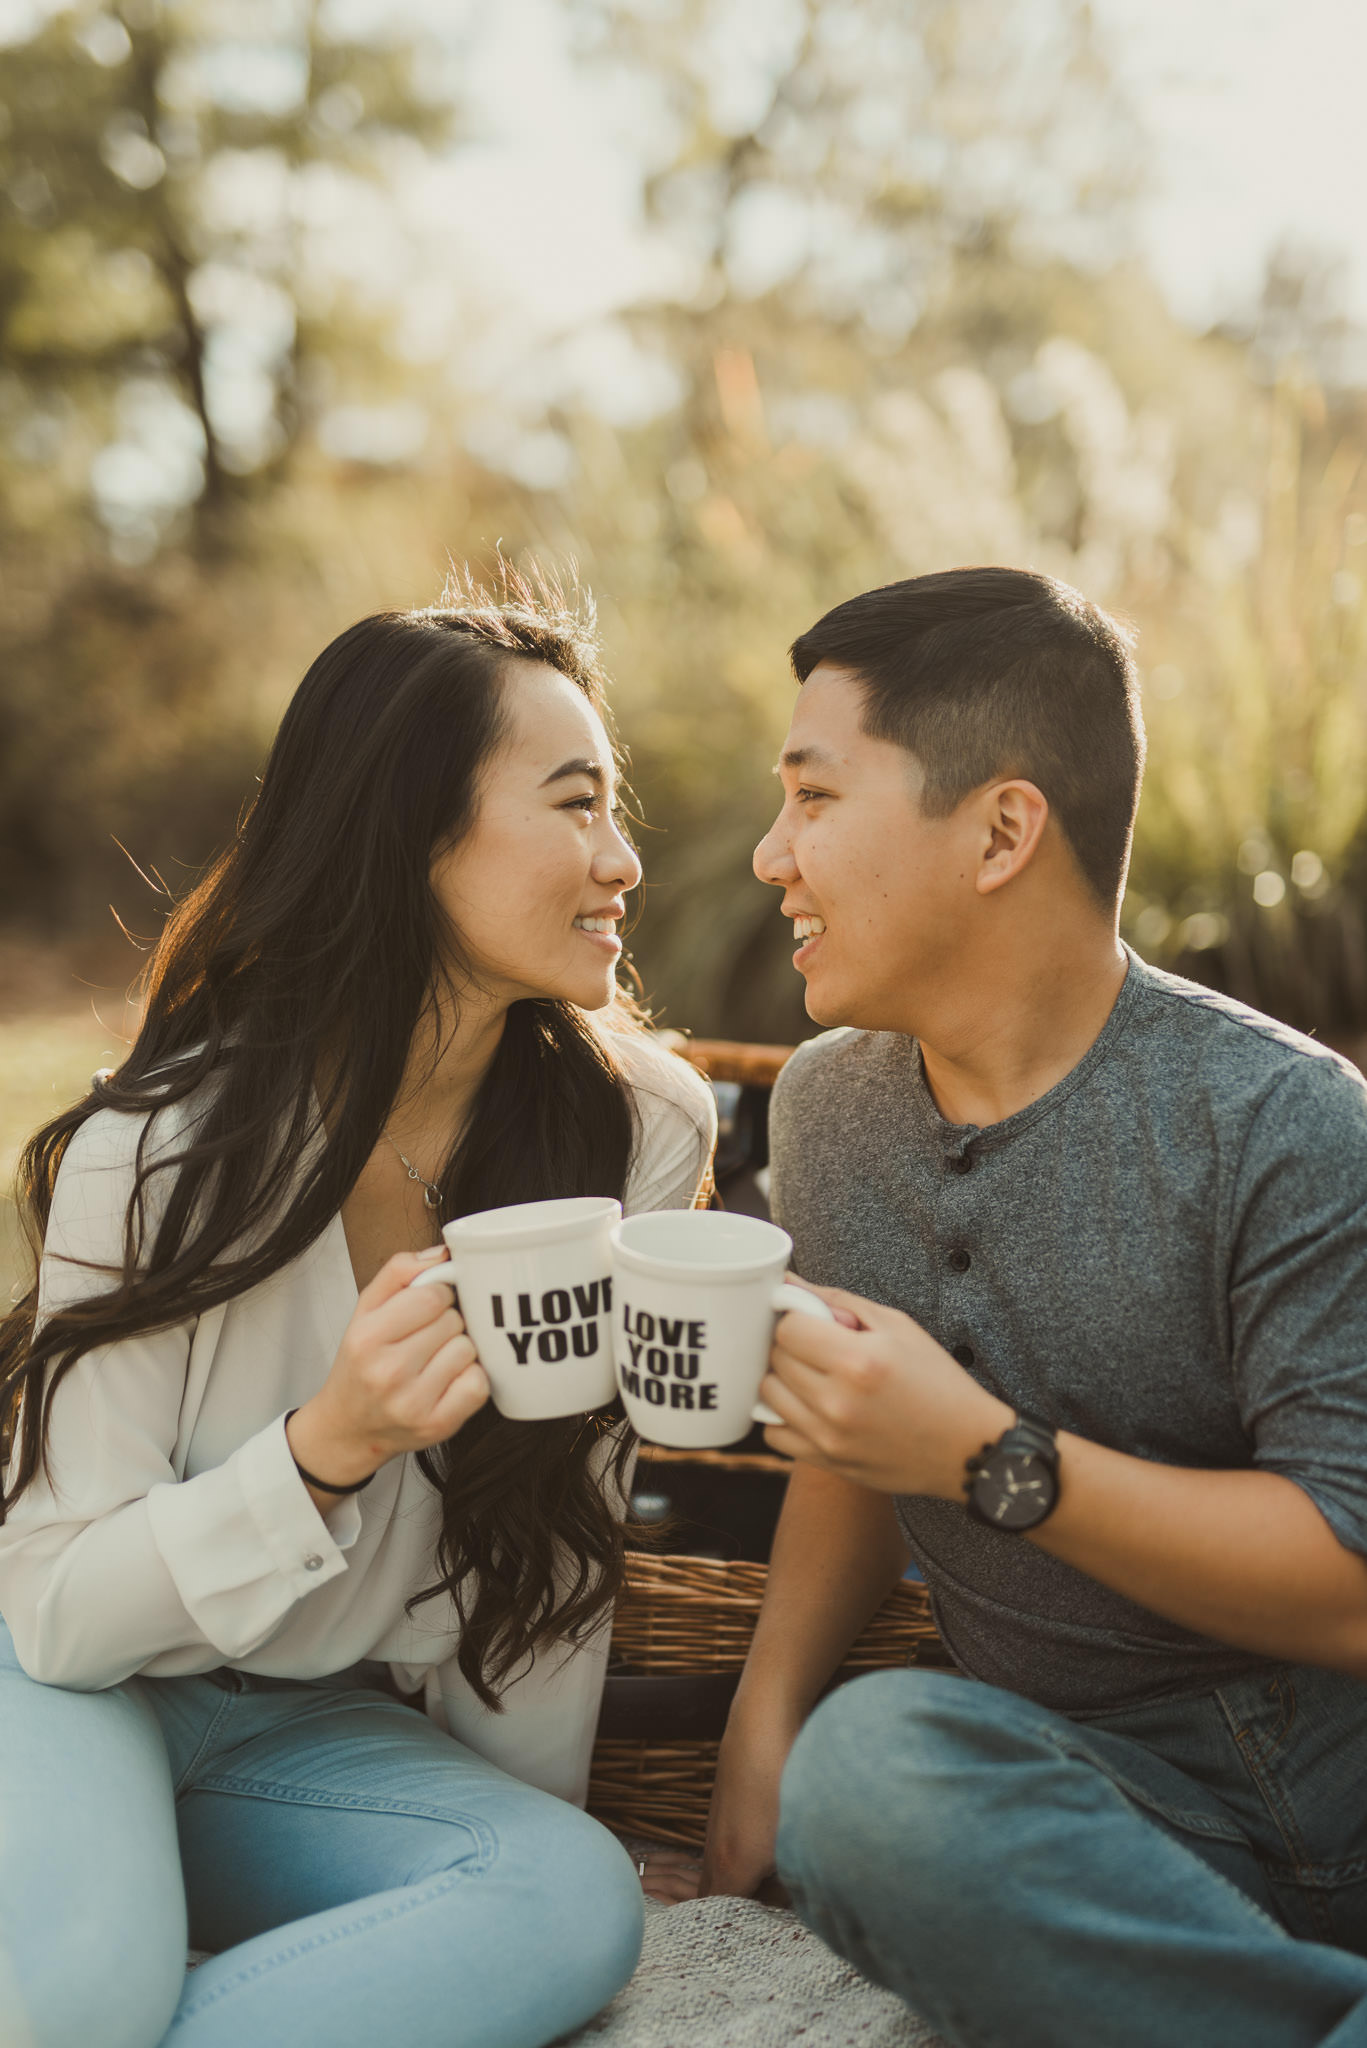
[(695, 1295), (534, 1283)]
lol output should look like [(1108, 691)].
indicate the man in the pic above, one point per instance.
[(1102, 1372)]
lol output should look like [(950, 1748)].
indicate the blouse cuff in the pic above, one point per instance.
[(244, 1543)]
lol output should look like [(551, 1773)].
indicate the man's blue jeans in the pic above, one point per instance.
[(1188, 1874), (367, 1880)]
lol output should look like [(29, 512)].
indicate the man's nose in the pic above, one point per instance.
[(773, 860)]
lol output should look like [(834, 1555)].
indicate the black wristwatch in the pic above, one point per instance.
[(1013, 1484)]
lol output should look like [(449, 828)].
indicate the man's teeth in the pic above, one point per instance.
[(808, 927), (595, 924)]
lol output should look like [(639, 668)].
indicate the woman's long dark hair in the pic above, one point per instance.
[(282, 1004)]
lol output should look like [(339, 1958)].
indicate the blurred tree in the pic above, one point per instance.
[(1302, 318), (167, 317), (190, 193), (844, 151)]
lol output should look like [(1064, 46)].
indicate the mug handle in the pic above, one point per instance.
[(435, 1276), (785, 1299)]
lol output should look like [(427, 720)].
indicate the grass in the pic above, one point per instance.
[(46, 1060)]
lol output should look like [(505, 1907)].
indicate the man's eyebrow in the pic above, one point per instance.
[(805, 757), (594, 770)]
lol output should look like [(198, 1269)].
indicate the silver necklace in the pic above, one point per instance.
[(431, 1195)]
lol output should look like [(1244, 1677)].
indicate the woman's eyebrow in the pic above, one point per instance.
[(594, 770)]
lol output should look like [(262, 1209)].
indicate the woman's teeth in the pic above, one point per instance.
[(596, 924), (808, 927)]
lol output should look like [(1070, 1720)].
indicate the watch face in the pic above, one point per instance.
[(1014, 1490)]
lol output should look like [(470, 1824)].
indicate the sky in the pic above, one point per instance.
[(531, 232), (1254, 108)]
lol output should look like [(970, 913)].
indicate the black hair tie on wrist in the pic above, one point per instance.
[(310, 1479)]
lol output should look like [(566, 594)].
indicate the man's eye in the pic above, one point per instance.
[(804, 795)]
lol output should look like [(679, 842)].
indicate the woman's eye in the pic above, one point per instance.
[(808, 796), (589, 806)]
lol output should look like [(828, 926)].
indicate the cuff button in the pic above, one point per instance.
[(313, 1563)]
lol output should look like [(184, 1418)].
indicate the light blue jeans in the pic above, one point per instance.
[(1188, 1874), (367, 1880)]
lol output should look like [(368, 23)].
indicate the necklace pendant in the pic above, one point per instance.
[(431, 1194)]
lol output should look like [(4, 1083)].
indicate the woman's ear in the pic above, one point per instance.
[(1015, 815)]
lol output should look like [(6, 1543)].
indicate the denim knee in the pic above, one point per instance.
[(116, 1983), (585, 1914), (599, 1914), (882, 1777)]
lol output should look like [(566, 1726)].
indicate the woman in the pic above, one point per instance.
[(256, 1489)]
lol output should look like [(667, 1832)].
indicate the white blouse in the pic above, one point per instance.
[(173, 1533)]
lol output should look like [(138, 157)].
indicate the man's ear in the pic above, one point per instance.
[(1014, 816)]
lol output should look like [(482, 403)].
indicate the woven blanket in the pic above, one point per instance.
[(729, 1973)]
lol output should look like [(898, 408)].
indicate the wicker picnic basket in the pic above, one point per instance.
[(693, 1617), (683, 1625)]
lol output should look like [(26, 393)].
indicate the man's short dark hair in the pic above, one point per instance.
[(984, 674)]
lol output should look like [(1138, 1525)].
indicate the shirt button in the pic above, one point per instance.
[(965, 1354), (962, 1162), (959, 1260), (313, 1562)]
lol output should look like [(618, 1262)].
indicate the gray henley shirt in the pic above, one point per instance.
[(1167, 1253)]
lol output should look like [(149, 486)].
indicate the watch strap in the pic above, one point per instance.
[(1032, 1433)]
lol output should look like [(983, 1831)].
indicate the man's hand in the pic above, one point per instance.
[(742, 1825), (881, 1404), (1245, 1557)]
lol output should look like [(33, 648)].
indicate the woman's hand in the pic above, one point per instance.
[(405, 1377), (742, 1827), (670, 1876)]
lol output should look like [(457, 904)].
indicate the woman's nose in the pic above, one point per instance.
[(617, 864)]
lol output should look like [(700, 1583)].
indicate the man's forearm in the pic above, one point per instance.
[(837, 1554), (1245, 1557)]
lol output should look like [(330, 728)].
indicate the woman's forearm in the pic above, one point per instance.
[(1245, 1557)]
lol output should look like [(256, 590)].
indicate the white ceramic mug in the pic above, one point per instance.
[(695, 1295), (534, 1284)]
